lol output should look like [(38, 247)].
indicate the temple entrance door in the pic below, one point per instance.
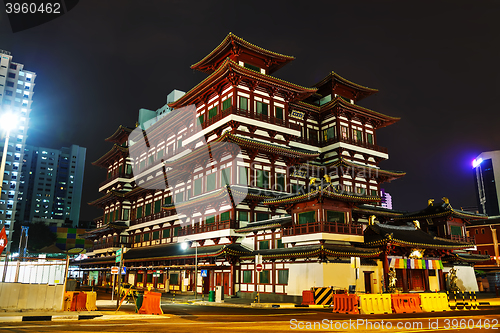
[(368, 282), (226, 283), (417, 280), (205, 285)]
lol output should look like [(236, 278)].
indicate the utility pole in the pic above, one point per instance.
[(119, 276)]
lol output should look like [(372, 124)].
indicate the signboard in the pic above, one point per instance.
[(115, 270), (124, 270), (204, 273), (118, 255), (297, 114), (259, 267)]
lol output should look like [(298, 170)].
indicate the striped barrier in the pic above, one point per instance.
[(151, 303), (432, 302), (406, 303), (375, 304), (345, 303), (91, 300), (323, 296)]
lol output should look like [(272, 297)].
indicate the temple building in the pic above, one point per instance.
[(275, 186)]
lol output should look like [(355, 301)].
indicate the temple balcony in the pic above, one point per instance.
[(250, 114), (115, 177), (323, 143), (322, 230), (153, 217), (109, 246), (218, 229), (463, 239)]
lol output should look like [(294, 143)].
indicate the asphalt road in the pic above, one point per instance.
[(193, 318)]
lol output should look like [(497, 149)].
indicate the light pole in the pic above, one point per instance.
[(184, 247), (8, 121)]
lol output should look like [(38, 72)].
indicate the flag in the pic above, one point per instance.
[(3, 239)]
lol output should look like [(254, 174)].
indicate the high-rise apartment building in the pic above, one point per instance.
[(487, 189), (16, 94), (51, 184)]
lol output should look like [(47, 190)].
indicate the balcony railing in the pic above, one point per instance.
[(464, 239), (327, 227), (251, 115), (197, 229), (155, 216), (98, 246), (114, 176), (323, 143)]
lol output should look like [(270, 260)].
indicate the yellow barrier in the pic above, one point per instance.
[(375, 304), (91, 300), (431, 302)]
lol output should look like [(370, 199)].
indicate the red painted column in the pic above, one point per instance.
[(232, 279), (386, 270)]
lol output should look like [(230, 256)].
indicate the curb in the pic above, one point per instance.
[(49, 317)]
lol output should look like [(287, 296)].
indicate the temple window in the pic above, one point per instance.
[(332, 216), (307, 217), (139, 212), (247, 276), (343, 131), (261, 108), (157, 207), (210, 219), (279, 113), (166, 233), (211, 182), (212, 112), (279, 244), (369, 138), (197, 186), (225, 176), (243, 103), (262, 178), (226, 216), (357, 135), (283, 276), (264, 277), (243, 216), (262, 216), (456, 230), (156, 235), (280, 182), (264, 245), (252, 67), (148, 210), (328, 133), (226, 104), (243, 173), (179, 197)]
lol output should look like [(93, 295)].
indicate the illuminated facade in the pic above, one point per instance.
[(485, 168), (291, 180)]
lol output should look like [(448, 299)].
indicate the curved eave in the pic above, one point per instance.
[(395, 241), (325, 193), (441, 214), (387, 173), (216, 253), (203, 64), (121, 133), (366, 91), (230, 66), (111, 153), (383, 118), (375, 212), (110, 196)]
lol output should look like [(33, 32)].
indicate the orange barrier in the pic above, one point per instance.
[(346, 303), (307, 297), (151, 303), (70, 301), (81, 301), (406, 303)]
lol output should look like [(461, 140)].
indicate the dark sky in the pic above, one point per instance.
[(435, 63)]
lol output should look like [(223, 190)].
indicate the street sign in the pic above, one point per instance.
[(259, 267), (118, 256), (204, 273), (124, 270), (115, 270)]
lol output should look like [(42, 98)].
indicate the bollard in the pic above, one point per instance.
[(173, 298), (475, 302)]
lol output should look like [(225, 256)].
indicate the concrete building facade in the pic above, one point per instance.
[(486, 174), (16, 96)]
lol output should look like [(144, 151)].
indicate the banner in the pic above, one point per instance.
[(3, 239), (415, 263)]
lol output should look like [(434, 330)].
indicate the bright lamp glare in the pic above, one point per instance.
[(8, 121), (184, 245), (476, 162)]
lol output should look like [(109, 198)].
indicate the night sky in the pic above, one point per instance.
[(435, 63)]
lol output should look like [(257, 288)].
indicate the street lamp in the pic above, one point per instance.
[(184, 246)]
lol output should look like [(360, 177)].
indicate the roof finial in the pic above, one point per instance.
[(416, 224), (371, 220), (430, 202), (445, 200)]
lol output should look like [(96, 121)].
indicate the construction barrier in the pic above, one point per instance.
[(151, 303), (91, 300), (461, 300), (346, 303), (432, 302), (307, 297), (375, 304), (406, 303), (81, 301), (323, 296), (69, 301)]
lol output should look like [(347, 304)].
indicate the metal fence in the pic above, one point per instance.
[(34, 271)]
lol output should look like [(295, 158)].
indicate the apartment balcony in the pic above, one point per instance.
[(115, 176), (250, 114), (323, 230), (198, 229)]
